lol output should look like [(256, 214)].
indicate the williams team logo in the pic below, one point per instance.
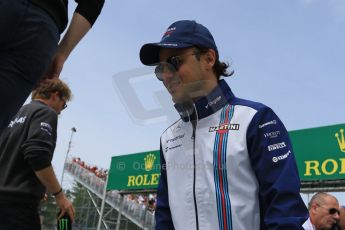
[(223, 128), (168, 32)]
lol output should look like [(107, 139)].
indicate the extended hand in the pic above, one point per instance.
[(65, 205)]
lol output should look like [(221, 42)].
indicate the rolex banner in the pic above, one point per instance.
[(134, 171), (320, 152)]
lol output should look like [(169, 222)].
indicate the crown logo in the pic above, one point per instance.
[(149, 161), (341, 140)]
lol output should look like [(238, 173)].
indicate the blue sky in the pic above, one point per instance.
[(288, 55)]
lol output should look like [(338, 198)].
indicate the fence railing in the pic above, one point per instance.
[(135, 212)]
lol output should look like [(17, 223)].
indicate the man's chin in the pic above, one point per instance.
[(328, 227), (179, 99)]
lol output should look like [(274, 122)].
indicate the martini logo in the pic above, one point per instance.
[(341, 140), (223, 128), (149, 161)]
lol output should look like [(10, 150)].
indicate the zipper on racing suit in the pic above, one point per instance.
[(193, 120), (188, 110)]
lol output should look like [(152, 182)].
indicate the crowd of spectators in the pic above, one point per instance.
[(145, 201), (99, 172)]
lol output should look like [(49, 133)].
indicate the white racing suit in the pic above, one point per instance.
[(228, 164)]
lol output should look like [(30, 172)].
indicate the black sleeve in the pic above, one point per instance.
[(38, 148), (90, 9)]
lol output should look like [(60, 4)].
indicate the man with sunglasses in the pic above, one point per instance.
[(341, 224), (26, 151), (227, 163), (324, 212)]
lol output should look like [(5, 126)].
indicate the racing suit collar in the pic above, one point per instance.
[(205, 106)]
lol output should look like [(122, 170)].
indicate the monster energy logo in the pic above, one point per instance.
[(63, 224)]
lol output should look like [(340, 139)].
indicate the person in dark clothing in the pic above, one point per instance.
[(29, 45), (26, 151)]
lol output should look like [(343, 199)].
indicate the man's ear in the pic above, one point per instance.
[(54, 96), (313, 207), (210, 59)]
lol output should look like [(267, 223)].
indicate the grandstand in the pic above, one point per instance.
[(120, 211)]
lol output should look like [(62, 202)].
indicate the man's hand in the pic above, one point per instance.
[(48, 179), (65, 205)]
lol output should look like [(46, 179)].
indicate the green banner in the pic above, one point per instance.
[(320, 152), (134, 171)]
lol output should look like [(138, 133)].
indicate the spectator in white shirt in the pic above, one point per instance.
[(324, 212)]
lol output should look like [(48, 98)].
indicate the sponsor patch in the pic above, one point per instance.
[(47, 128), (224, 128), (171, 148), (272, 134), (276, 146), (273, 122), (175, 138), (215, 101), (17, 120), (281, 157)]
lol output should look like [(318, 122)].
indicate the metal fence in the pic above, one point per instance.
[(133, 211)]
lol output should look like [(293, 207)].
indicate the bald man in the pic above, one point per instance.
[(342, 218), (324, 212)]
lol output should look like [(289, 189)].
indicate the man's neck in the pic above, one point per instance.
[(42, 100), (312, 221)]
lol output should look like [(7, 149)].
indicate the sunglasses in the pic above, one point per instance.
[(172, 65), (64, 103), (332, 211)]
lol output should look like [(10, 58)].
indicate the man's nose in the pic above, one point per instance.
[(336, 216), (169, 75)]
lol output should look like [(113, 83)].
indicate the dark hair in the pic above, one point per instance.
[(219, 68)]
